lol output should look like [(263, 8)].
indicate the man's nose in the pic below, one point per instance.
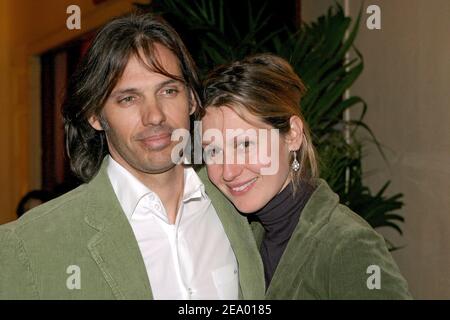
[(152, 113)]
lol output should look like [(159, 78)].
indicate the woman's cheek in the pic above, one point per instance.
[(214, 173)]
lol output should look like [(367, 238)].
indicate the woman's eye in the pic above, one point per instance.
[(244, 145), (212, 152)]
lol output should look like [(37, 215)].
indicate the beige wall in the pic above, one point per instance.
[(27, 29), (406, 83)]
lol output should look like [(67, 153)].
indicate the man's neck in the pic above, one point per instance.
[(168, 185)]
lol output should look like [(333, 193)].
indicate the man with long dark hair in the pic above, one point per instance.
[(143, 225)]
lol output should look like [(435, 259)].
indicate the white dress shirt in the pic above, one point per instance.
[(191, 259)]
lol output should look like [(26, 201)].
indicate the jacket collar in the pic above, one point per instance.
[(318, 209), (316, 213), (114, 247)]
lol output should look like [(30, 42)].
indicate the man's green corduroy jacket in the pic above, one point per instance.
[(88, 229)]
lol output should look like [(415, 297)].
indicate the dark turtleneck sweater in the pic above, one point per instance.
[(279, 217)]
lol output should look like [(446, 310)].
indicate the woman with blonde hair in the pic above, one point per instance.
[(311, 246)]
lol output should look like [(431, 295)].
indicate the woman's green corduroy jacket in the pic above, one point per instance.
[(334, 254)]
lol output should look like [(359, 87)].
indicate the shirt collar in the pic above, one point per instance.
[(130, 191), (193, 186)]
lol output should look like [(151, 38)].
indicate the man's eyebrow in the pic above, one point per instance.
[(167, 82), (119, 92)]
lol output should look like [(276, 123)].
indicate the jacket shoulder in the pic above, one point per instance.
[(344, 222), (60, 211), (327, 220), (358, 262), (64, 203)]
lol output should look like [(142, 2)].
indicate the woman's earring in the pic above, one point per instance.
[(295, 164)]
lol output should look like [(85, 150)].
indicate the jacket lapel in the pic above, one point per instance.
[(301, 244), (238, 231), (114, 247)]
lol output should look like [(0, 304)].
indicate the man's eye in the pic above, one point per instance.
[(170, 92), (127, 100)]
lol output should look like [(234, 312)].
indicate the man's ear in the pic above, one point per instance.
[(94, 121), (294, 138)]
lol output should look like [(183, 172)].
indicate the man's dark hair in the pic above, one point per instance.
[(98, 73)]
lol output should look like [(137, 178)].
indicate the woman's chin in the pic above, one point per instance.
[(245, 211), (246, 208), (243, 203)]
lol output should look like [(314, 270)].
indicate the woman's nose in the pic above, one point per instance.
[(231, 171)]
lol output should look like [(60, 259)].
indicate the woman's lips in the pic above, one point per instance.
[(242, 188)]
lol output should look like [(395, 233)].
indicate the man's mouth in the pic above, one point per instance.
[(157, 141)]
